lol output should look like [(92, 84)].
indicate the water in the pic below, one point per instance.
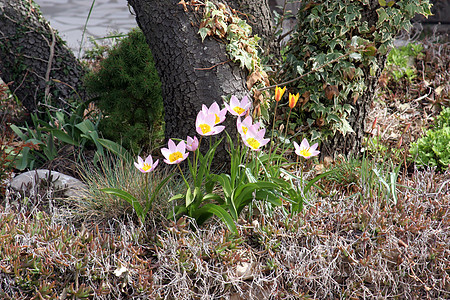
[(69, 18)]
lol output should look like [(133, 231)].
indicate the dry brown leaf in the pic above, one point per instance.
[(182, 2), (253, 78), (331, 91)]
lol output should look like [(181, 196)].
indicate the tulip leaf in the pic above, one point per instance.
[(220, 212), (129, 198)]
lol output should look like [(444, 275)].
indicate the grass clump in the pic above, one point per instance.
[(119, 173)]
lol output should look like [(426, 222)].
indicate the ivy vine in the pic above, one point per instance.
[(330, 29)]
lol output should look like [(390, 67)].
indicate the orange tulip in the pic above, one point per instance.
[(293, 100), (279, 93)]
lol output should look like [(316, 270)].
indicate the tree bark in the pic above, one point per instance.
[(259, 16), (192, 72), (35, 59), (352, 143)]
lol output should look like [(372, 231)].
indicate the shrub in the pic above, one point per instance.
[(434, 148), (129, 93)]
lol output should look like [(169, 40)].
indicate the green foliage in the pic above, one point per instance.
[(44, 139), (242, 46), (434, 148), (238, 189), (129, 93), (336, 47), (134, 202), (400, 61)]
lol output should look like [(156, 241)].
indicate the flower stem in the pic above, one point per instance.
[(185, 181), (273, 128)]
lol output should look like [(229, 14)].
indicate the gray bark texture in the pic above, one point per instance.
[(34, 59), (192, 72)]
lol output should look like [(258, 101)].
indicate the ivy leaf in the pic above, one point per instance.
[(203, 32), (333, 117), (382, 16), (355, 55), (345, 128), (382, 2)]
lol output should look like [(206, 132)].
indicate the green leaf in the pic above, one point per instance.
[(189, 197), (129, 198), (269, 197), (115, 148), (345, 128), (19, 132), (86, 126), (21, 161), (382, 16), (203, 32), (63, 137), (220, 213), (212, 196), (177, 197)]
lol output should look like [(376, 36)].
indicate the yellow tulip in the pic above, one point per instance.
[(293, 100), (279, 93)]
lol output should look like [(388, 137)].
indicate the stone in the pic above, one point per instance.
[(73, 188)]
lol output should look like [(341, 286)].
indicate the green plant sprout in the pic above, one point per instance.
[(434, 148), (400, 61)]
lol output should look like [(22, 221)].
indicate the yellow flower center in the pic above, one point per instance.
[(238, 109), (174, 156), (244, 129), (217, 118), (305, 152), (146, 167), (205, 128), (253, 143)]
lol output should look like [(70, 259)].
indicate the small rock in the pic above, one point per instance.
[(72, 186)]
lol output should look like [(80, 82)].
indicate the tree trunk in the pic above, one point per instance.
[(352, 143), (35, 59), (192, 72), (260, 17)]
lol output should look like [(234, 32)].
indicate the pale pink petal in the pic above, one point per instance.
[(181, 147), (214, 108), (149, 160), (304, 144), (165, 152), (234, 101), (155, 164), (218, 129), (172, 146)]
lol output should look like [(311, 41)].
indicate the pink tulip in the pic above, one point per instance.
[(205, 124), (147, 165), (305, 150), (192, 143), (214, 109), (254, 139), (175, 153), (243, 126), (238, 108)]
